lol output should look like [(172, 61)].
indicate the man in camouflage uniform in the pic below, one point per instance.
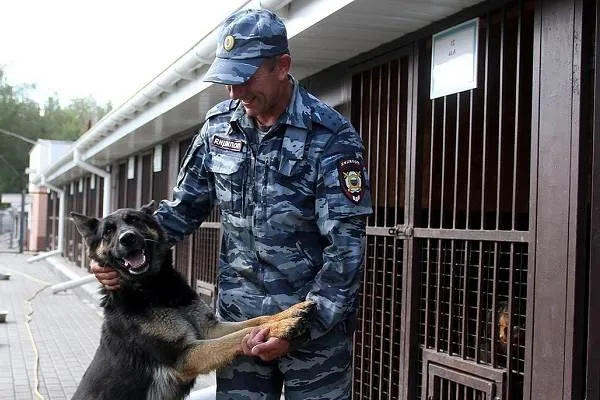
[(287, 171)]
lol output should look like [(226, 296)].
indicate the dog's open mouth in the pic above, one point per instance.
[(136, 263)]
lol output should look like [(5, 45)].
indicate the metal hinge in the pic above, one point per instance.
[(402, 231)]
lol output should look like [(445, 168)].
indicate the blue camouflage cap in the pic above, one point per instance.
[(246, 39)]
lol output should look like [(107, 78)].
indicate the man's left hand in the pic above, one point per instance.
[(258, 343)]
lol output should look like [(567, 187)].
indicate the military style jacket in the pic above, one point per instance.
[(293, 203)]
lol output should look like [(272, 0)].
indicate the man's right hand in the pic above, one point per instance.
[(108, 277)]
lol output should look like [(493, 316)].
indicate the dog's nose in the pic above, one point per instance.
[(127, 238)]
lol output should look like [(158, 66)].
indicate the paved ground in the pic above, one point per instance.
[(63, 329)]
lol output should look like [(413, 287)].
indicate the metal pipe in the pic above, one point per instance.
[(42, 256), (22, 223), (61, 222), (16, 135), (12, 225), (274, 5), (95, 170), (61, 213), (72, 283)]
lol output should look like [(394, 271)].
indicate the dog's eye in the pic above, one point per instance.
[(107, 233)]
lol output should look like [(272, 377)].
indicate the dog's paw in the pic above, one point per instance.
[(288, 329), (304, 310), (293, 322)]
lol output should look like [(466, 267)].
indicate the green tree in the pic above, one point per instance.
[(69, 123), (20, 114)]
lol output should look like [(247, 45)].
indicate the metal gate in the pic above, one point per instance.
[(442, 311)]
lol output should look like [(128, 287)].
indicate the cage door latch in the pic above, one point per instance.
[(402, 231)]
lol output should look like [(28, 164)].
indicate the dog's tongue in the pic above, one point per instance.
[(136, 261)]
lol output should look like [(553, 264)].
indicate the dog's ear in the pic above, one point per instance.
[(148, 208), (87, 226)]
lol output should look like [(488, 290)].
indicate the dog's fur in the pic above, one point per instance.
[(157, 334), (502, 329)]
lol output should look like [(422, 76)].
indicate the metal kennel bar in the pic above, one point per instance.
[(447, 245)]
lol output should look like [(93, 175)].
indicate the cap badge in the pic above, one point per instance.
[(229, 42)]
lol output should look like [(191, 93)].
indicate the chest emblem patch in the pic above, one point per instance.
[(351, 179), (228, 144)]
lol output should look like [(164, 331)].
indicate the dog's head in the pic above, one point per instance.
[(128, 240)]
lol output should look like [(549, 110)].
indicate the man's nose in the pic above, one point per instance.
[(236, 91)]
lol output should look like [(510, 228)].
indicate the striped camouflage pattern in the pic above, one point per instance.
[(246, 38), (289, 231)]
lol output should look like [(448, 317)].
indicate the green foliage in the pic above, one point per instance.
[(22, 115)]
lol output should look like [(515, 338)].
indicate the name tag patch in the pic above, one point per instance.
[(351, 179), (228, 144)]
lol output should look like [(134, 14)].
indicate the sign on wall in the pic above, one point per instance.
[(454, 59), (157, 159)]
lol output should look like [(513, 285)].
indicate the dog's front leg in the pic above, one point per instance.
[(301, 310), (204, 356), (208, 355)]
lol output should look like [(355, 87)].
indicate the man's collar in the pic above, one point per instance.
[(297, 113)]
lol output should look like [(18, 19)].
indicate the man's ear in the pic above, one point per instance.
[(87, 226), (284, 64), (148, 208)]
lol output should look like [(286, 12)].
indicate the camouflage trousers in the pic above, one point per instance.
[(320, 370)]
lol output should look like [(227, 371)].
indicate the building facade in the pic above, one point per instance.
[(483, 250)]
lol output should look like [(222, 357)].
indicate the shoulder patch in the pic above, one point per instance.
[(221, 108), (350, 174)]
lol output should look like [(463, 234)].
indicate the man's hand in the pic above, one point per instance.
[(108, 277), (258, 344)]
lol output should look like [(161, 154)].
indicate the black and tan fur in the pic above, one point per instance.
[(502, 328), (157, 334)]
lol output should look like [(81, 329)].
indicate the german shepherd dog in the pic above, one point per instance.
[(157, 334), (502, 333)]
